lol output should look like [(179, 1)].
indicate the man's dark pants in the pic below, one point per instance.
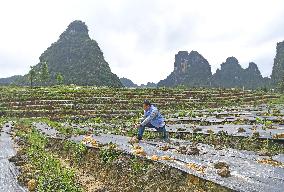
[(141, 130)]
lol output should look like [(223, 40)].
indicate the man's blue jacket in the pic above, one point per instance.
[(153, 116)]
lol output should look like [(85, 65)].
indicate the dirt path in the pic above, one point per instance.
[(8, 173)]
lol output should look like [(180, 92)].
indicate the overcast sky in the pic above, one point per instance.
[(140, 38)]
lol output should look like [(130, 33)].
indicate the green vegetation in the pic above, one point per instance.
[(279, 100), (44, 75), (47, 169), (82, 103), (2, 121), (59, 78), (137, 166), (32, 76), (74, 111), (109, 153), (77, 150)]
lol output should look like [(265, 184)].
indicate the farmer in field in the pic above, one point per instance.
[(152, 119)]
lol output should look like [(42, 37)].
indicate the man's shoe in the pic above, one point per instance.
[(167, 140)]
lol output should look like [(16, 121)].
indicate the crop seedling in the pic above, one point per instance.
[(109, 153)]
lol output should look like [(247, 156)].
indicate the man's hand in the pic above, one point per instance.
[(137, 125)]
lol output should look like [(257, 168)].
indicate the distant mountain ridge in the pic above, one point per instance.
[(193, 70), (11, 80), (129, 84), (80, 61), (232, 74)]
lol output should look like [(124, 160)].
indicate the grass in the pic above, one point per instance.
[(279, 100), (45, 168), (2, 121), (77, 150)]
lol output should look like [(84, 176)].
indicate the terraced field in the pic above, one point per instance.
[(220, 139)]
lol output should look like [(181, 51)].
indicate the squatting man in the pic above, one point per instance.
[(153, 119)]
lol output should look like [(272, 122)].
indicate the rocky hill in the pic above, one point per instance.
[(77, 58), (278, 66), (232, 74), (193, 70), (190, 69), (127, 82)]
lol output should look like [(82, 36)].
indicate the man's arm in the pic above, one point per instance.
[(150, 117), (143, 118), (145, 115)]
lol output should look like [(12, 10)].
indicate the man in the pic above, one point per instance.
[(152, 119)]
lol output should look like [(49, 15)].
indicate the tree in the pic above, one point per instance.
[(32, 75), (59, 78), (44, 73)]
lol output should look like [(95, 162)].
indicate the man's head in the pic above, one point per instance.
[(146, 105)]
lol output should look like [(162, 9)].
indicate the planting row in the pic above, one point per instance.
[(238, 170)]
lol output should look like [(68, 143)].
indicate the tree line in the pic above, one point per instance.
[(42, 76)]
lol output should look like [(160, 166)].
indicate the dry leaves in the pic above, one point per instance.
[(165, 157), (278, 136), (138, 150), (32, 185), (155, 158), (270, 161), (90, 140), (198, 168)]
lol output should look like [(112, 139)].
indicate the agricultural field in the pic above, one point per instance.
[(71, 138)]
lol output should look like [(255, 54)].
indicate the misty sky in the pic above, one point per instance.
[(140, 38)]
